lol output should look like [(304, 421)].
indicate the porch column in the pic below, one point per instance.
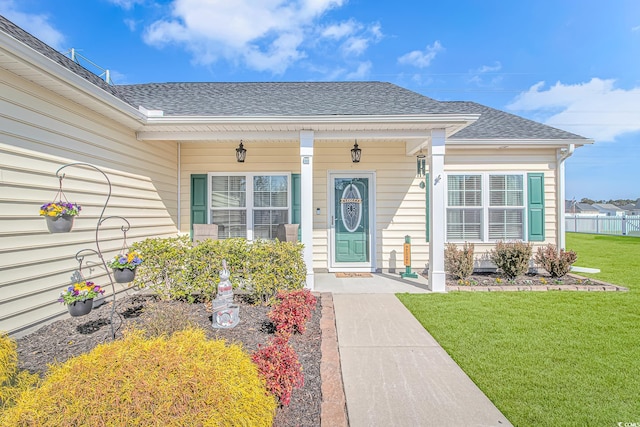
[(306, 201), (437, 194)]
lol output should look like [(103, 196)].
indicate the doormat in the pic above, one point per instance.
[(345, 275)]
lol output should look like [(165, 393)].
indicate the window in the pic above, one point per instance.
[(464, 216), (496, 213), (506, 207), (249, 205)]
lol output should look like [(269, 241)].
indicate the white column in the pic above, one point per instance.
[(437, 194), (306, 201)]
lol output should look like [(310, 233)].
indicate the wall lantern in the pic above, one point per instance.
[(421, 164), (241, 153), (356, 153)]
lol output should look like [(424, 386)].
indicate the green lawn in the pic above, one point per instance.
[(551, 358)]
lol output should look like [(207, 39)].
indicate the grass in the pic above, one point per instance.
[(550, 358)]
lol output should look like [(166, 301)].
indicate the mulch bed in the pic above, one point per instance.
[(63, 339), (529, 282)]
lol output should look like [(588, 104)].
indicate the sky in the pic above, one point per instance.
[(571, 64)]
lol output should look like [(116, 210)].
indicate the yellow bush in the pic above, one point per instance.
[(181, 380), (12, 381)]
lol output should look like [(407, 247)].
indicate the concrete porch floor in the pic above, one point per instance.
[(379, 283)]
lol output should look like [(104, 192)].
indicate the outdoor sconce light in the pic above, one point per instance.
[(241, 153), (356, 153), (421, 164)]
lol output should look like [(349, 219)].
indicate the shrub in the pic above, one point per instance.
[(182, 380), (177, 270), (459, 262), (165, 318), (204, 264), (511, 258), (278, 364), (164, 267), (556, 262), (273, 266), (292, 311), (12, 381)]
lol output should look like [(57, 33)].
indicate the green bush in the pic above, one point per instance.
[(274, 266), (183, 380), (511, 258), (12, 381), (178, 270), (556, 262), (459, 262), (163, 269), (205, 262)]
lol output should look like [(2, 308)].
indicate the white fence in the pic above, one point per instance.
[(593, 224)]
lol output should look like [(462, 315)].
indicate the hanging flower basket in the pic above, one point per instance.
[(124, 275), (59, 215), (80, 308), (79, 297), (124, 266)]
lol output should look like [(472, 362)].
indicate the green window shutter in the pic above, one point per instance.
[(426, 189), (535, 206), (296, 207), (198, 200)]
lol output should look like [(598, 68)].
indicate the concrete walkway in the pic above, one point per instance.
[(394, 372)]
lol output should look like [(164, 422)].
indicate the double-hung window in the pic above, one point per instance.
[(250, 205), (485, 207), (506, 207), (464, 212)]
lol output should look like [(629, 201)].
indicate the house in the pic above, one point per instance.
[(170, 152), (632, 209), (574, 208), (607, 209)]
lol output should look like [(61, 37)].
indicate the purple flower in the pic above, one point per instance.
[(122, 260)]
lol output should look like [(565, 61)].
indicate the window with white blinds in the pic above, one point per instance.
[(506, 207), (249, 205), (485, 206), (464, 214)]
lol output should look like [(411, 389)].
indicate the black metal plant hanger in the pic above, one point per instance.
[(82, 252)]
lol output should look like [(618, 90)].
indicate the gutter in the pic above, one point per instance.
[(561, 156)]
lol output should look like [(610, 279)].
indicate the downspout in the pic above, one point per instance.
[(179, 182), (562, 155)]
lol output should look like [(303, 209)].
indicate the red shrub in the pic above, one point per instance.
[(292, 311), (279, 365)]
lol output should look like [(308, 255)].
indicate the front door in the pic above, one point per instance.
[(351, 221)]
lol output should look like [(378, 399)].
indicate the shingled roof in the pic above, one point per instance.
[(38, 45), (281, 99), (298, 99), (496, 124)]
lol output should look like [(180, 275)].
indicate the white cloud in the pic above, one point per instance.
[(267, 35), (490, 68), (422, 59), (341, 30), (131, 24), (485, 76), (636, 28), (595, 109), (36, 24), (126, 4), (363, 70)]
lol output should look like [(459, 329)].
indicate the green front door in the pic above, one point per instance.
[(351, 220)]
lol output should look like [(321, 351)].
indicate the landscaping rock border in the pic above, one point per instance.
[(585, 285)]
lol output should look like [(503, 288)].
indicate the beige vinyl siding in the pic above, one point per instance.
[(400, 202), (39, 133), (220, 156), (512, 160)]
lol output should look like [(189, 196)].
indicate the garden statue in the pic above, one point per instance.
[(225, 313)]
